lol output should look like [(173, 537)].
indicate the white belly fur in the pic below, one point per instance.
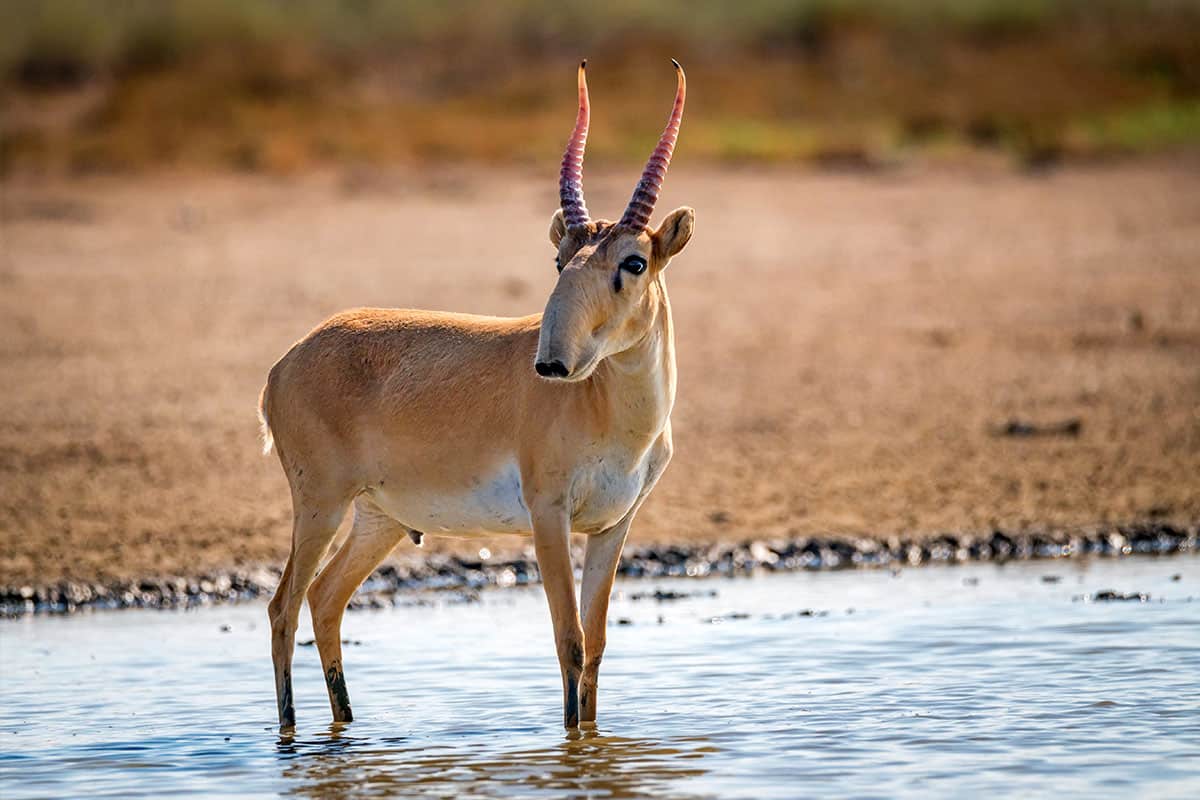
[(493, 504), (603, 491)]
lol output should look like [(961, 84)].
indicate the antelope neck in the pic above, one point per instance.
[(638, 383)]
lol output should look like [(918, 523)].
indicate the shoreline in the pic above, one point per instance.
[(449, 572)]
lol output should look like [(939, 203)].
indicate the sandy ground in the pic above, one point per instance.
[(847, 346)]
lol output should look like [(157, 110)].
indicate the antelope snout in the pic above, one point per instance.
[(563, 344), (552, 369)]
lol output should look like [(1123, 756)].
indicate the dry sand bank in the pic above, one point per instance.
[(850, 348)]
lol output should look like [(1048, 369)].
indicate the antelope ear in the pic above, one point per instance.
[(558, 228), (673, 233)]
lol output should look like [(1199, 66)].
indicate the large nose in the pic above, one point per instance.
[(551, 369)]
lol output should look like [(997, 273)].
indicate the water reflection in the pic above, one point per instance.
[(583, 764)]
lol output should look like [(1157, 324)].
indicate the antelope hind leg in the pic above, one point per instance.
[(372, 537), (313, 530)]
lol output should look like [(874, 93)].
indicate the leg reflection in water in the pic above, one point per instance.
[(589, 763)]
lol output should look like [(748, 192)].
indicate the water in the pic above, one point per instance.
[(941, 682)]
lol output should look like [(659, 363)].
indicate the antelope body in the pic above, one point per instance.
[(441, 423)]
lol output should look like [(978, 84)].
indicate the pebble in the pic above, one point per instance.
[(1109, 596), (465, 577)]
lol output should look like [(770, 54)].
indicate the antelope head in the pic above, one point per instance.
[(609, 286)]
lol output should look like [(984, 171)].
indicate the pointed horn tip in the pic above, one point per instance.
[(583, 64), (677, 66)]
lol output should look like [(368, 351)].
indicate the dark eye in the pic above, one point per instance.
[(634, 264), (558, 263)]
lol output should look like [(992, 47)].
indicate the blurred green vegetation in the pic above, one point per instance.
[(283, 84)]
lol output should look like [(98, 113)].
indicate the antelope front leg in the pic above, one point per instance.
[(599, 570), (551, 541)]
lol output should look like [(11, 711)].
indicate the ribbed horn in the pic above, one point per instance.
[(570, 179), (641, 205)]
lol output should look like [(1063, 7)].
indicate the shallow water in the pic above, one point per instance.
[(938, 681)]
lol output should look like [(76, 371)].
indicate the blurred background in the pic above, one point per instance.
[(282, 86), (944, 277)]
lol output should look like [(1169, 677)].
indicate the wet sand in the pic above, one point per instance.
[(869, 355)]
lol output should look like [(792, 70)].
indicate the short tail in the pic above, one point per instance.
[(268, 438)]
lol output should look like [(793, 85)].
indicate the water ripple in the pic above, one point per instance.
[(979, 679)]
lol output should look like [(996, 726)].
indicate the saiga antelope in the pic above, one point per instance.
[(466, 425)]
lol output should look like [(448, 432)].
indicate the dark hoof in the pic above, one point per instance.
[(571, 704), (336, 681)]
